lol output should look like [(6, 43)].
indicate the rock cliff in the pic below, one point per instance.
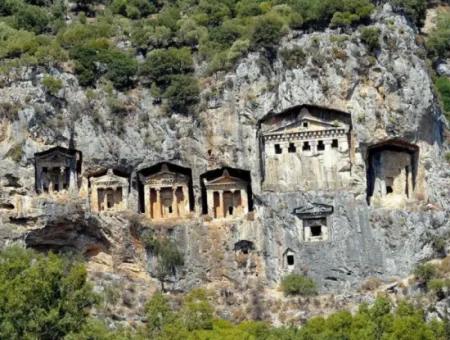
[(388, 92)]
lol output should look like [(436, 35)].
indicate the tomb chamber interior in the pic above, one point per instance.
[(305, 148)]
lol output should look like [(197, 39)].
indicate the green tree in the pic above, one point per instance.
[(268, 31), (438, 41), (43, 297), (159, 314), (161, 64), (197, 312), (182, 94), (32, 18), (121, 68)]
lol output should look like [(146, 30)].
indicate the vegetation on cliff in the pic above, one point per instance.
[(47, 297), (156, 43)]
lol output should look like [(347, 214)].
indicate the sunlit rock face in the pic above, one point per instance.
[(303, 141)]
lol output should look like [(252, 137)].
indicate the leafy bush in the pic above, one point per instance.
[(132, 9), (438, 42), (268, 31), (425, 272), (371, 37), (52, 85), (161, 64), (41, 297), (182, 93), (443, 87), (121, 68), (32, 18), (415, 10), (294, 284), (293, 57)]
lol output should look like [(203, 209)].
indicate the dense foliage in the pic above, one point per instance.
[(41, 297), (47, 297), (294, 284), (157, 43)]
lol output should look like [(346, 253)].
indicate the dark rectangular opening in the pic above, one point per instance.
[(334, 144), (389, 189), (290, 260), (305, 124), (320, 146), (292, 148), (306, 146), (230, 210), (278, 149), (316, 230)]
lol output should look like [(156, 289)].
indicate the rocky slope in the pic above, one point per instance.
[(389, 94)]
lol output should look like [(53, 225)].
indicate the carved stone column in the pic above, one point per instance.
[(157, 213), (147, 201), (124, 197), (210, 202), (105, 200), (244, 201), (221, 212), (61, 178), (72, 180), (94, 198), (174, 202), (185, 206)]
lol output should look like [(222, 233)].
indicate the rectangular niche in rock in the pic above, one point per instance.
[(109, 192), (165, 191), (227, 196), (314, 219), (57, 169), (305, 148), (391, 173)]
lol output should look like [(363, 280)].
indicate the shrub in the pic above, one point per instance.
[(425, 272), (85, 68), (443, 87), (438, 42), (41, 297), (415, 10), (371, 37), (294, 284), (121, 68), (182, 93), (197, 312), (293, 57), (267, 32), (161, 64), (32, 18), (52, 85)]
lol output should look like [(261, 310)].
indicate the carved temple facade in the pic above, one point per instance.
[(57, 169), (392, 173), (109, 192), (226, 196), (305, 148), (315, 221), (166, 192)]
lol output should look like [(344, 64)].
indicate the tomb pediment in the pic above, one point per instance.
[(313, 210), (165, 178), (226, 181), (109, 179)]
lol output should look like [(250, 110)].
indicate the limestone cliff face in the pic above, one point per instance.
[(389, 94)]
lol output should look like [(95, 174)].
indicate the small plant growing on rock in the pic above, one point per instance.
[(425, 273), (371, 37), (52, 85), (294, 284)]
